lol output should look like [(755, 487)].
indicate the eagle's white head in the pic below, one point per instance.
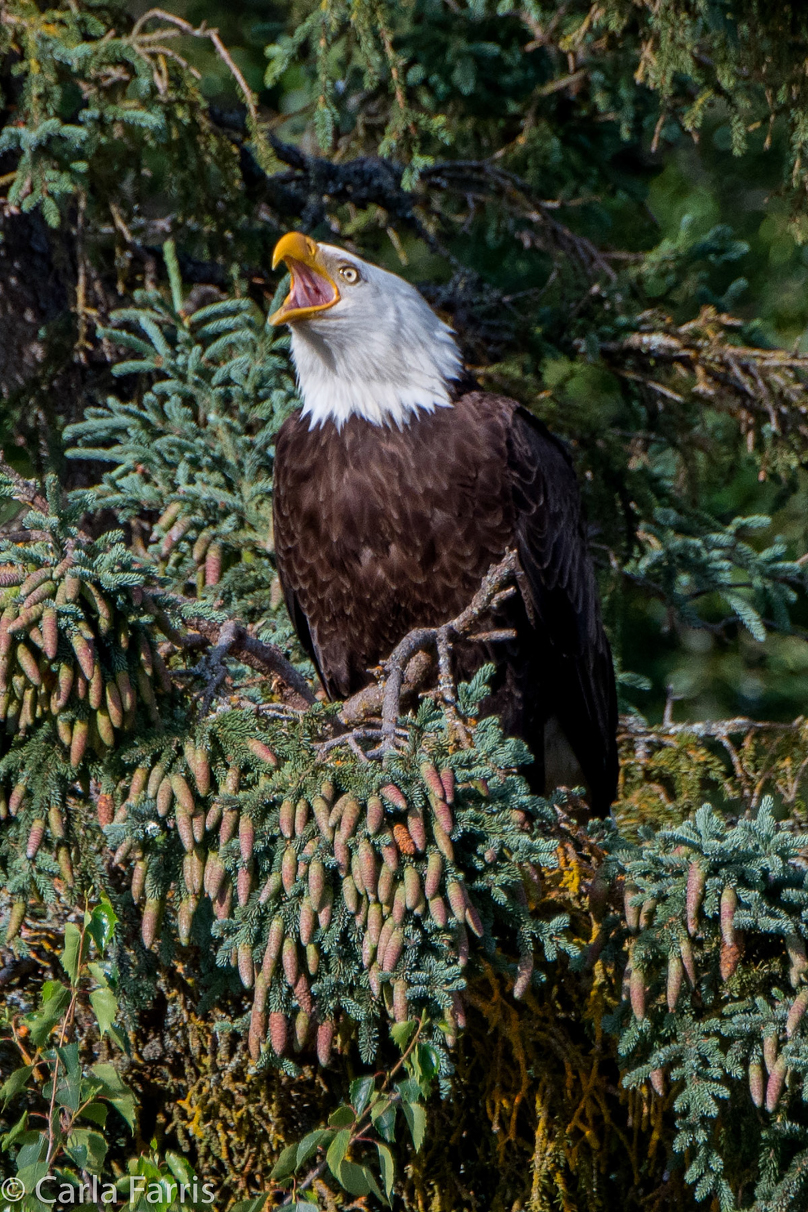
[(364, 342)]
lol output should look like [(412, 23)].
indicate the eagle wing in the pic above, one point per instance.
[(561, 599)]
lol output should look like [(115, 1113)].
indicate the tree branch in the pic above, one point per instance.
[(233, 638), (490, 594), (24, 490)]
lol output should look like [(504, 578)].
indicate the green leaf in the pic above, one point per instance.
[(409, 1090), (71, 955), (310, 1144), (337, 1150), (98, 974), (353, 1178), (33, 1149), (285, 1165), (402, 1033), (96, 1113), (343, 1117), (255, 1205), (16, 1082), (29, 1176), (361, 1090), (105, 1007), (87, 1149), (415, 1116), (50, 990), (55, 1000), (302, 1206), (374, 1186), (358, 1180), (119, 1038), (426, 1064), (115, 1091), (387, 1168), (68, 1088), (383, 1116), (101, 924), (180, 1167), (11, 1136)]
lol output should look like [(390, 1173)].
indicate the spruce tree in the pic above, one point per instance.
[(414, 980)]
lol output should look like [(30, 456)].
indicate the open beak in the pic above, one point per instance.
[(313, 288)]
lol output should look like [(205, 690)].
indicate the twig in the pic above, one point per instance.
[(202, 31), (24, 490), (634, 726), (233, 638), (487, 596)]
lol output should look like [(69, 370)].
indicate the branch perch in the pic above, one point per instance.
[(491, 593)]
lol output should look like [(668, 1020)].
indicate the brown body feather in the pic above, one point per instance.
[(379, 530)]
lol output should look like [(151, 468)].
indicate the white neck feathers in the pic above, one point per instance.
[(381, 353)]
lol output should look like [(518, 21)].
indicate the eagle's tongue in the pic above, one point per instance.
[(308, 288)]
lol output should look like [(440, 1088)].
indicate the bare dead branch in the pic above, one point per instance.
[(212, 35), (490, 593), (634, 726), (233, 639)]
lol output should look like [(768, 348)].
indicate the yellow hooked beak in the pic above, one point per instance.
[(313, 288)]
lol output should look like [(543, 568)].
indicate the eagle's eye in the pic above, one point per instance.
[(349, 274)]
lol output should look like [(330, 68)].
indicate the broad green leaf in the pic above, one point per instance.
[(337, 1150), (105, 1006), (16, 1082), (426, 1064), (310, 1144), (415, 1116), (402, 1033), (180, 1167), (71, 957), (383, 1116), (302, 1206), (387, 1169), (41, 1023), (96, 1113), (98, 973), (87, 1149), (374, 1186), (343, 1117), (285, 1165), (361, 1090), (32, 1163), (101, 924), (255, 1205), (119, 1038), (29, 1176), (68, 1086), (50, 990), (409, 1090), (115, 1091), (354, 1178), (11, 1137)]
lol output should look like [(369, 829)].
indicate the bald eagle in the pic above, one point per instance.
[(400, 483)]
